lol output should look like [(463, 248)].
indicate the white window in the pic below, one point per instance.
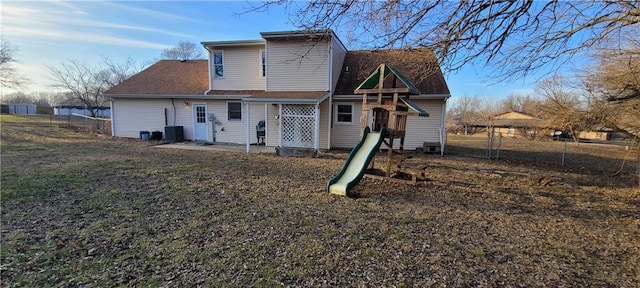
[(263, 63), (344, 113), (234, 111), (218, 64)]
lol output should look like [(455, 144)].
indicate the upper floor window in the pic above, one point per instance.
[(263, 63), (218, 64), (344, 113), (234, 111)]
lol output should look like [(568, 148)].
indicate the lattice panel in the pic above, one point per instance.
[(298, 126)]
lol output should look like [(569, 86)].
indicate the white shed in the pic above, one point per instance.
[(69, 110)]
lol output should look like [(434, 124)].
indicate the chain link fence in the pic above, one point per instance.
[(89, 124), (610, 156)]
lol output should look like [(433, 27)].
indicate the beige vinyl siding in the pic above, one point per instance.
[(242, 69), (257, 114), (273, 125), (226, 131), (297, 65), (235, 131), (324, 122), (419, 129), (337, 61), (346, 135), (131, 116), (423, 129)]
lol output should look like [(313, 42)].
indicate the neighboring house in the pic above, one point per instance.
[(596, 134), (515, 124), (82, 110), (300, 83), (23, 108)]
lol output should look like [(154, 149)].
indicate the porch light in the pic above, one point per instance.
[(186, 103)]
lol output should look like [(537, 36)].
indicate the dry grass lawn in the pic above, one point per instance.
[(94, 211)]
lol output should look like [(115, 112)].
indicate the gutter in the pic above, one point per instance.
[(248, 98), (282, 100), (178, 96)]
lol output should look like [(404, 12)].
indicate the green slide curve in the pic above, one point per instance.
[(356, 163)]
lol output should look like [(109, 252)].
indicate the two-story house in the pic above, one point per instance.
[(300, 84)]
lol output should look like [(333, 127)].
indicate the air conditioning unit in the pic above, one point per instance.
[(174, 133)]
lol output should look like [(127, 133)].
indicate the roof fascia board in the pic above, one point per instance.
[(296, 33), (254, 42), (181, 96), (281, 100)]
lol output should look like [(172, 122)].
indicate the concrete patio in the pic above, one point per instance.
[(239, 148)]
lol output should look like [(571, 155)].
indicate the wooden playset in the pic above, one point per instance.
[(386, 94)]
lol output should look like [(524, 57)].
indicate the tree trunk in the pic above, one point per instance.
[(573, 135)]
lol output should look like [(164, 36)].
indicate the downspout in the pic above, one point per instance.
[(174, 111), (247, 125), (443, 132), (330, 68), (113, 126)]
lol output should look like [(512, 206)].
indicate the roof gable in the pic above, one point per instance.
[(514, 115), (373, 81), (419, 66), (167, 77)]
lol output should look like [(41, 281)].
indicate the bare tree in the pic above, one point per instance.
[(40, 98), (515, 36), (526, 104), (183, 51), (464, 112), (9, 77), (86, 83), (486, 112), (613, 85), (562, 107), (17, 97)]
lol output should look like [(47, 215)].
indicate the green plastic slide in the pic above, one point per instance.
[(356, 163)]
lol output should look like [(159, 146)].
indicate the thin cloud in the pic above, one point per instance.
[(20, 15), (150, 12), (69, 7), (130, 27), (55, 24), (81, 37)]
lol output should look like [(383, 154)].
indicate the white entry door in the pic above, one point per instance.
[(200, 128)]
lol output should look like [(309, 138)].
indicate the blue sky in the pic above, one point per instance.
[(51, 32)]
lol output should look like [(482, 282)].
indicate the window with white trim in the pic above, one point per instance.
[(218, 64), (344, 113), (234, 111), (263, 63)]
